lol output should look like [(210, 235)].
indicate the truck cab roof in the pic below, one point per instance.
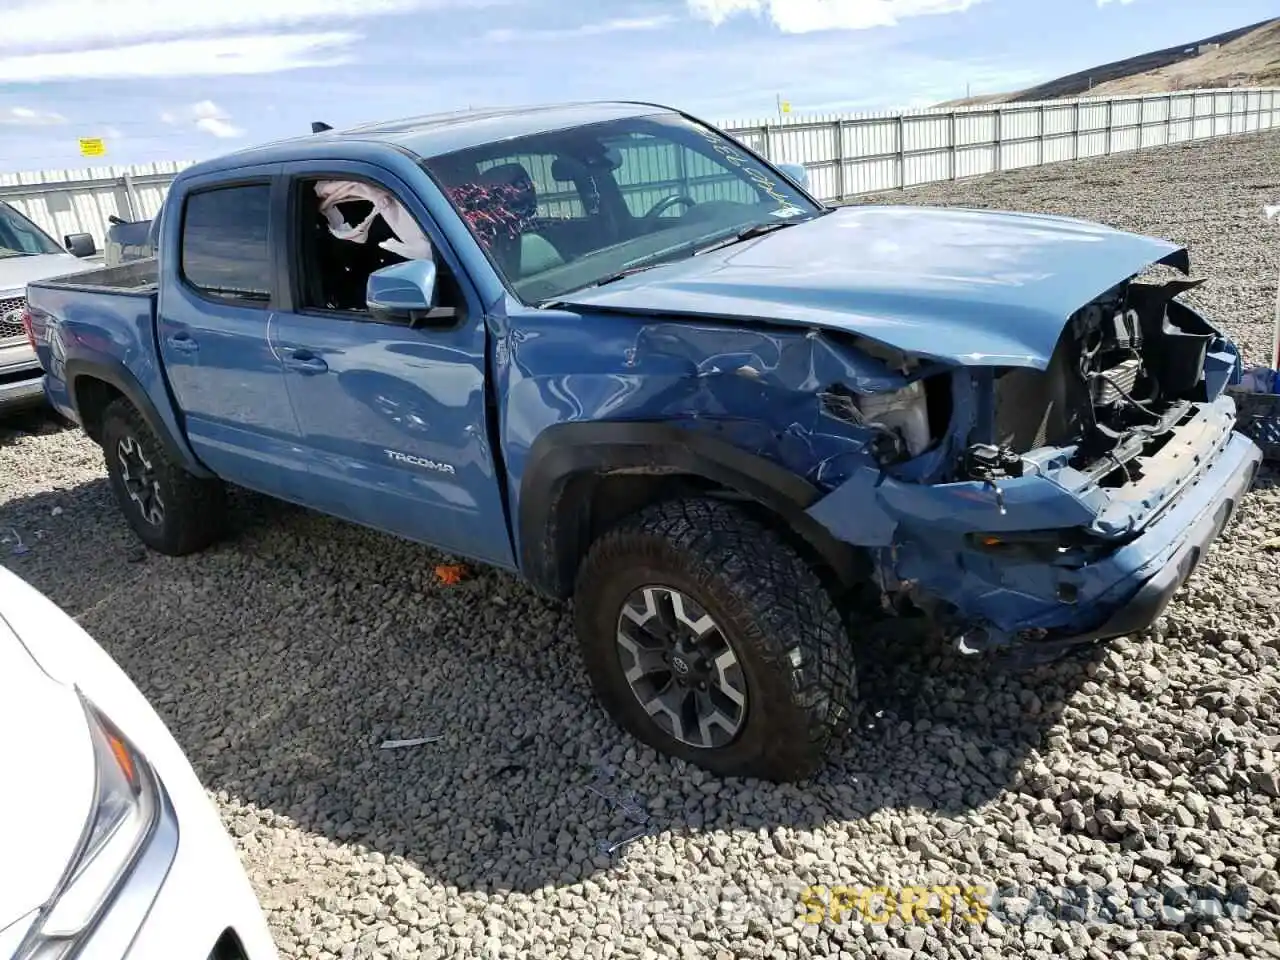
[(432, 135)]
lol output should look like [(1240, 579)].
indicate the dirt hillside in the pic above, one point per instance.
[(1245, 57)]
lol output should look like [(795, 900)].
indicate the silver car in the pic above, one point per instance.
[(27, 253)]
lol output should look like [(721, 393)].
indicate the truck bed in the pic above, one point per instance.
[(136, 276), (101, 325)]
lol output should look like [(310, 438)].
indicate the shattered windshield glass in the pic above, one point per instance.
[(577, 207)]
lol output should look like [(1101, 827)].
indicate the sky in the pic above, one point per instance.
[(167, 80)]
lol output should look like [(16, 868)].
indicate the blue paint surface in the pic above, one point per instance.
[(429, 432), (967, 286)]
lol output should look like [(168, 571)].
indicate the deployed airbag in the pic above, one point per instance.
[(410, 242)]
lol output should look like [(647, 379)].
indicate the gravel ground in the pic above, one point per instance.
[(283, 658)]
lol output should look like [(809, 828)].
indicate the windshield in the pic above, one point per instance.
[(19, 237), (569, 209)]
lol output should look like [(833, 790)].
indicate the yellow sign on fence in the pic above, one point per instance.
[(785, 106), (92, 147)]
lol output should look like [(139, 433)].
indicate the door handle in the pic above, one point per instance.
[(305, 362), (183, 343)]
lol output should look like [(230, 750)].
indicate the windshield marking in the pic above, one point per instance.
[(719, 145)]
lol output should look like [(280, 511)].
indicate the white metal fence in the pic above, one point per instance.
[(846, 154), (80, 201), (866, 153)]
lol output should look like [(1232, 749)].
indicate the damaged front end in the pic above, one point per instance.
[(1059, 505)]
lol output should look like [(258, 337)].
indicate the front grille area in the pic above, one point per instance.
[(11, 319)]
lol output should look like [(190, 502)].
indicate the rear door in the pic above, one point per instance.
[(215, 316), (393, 418)]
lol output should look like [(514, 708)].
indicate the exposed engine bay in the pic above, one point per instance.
[(1129, 369), (1126, 371)]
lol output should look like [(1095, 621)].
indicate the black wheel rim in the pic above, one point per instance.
[(139, 478), (681, 667)]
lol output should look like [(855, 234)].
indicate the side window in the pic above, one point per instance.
[(349, 229), (225, 249), (557, 199), (653, 169)]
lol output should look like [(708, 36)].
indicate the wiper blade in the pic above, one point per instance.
[(622, 274), (750, 233), (647, 262)]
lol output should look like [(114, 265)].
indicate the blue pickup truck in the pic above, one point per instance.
[(609, 348)]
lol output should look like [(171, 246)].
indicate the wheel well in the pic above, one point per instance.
[(91, 397), (590, 503)]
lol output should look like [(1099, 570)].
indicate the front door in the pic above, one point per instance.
[(214, 327), (393, 418)]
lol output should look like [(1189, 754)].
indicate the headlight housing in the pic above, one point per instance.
[(899, 417), (127, 806)]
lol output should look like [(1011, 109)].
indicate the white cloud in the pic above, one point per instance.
[(29, 117), (267, 53), (806, 16), (1124, 3), (207, 117), (214, 121), (103, 39), (621, 25), (79, 24), (222, 129)]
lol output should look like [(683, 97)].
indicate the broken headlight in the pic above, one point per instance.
[(901, 417)]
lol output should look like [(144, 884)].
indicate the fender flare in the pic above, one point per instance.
[(567, 451), (122, 378)]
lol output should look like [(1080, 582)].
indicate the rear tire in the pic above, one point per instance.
[(172, 511), (707, 637)]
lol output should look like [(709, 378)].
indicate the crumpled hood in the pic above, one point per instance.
[(972, 287), (17, 272), (47, 757)]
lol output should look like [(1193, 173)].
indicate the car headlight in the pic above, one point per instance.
[(126, 809)]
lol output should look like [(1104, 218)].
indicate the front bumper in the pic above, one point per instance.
[(1160, 561), (21, 384), (992, 603), (204, 895), (186, 896), (1200, 517)]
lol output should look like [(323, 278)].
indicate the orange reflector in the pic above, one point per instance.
[(123, 758)]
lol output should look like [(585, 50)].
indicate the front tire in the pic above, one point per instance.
[(707, 637), (172, 511)]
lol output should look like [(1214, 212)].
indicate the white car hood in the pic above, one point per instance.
[(17, 272), (48, 761)]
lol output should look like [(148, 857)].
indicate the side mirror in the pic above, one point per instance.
[(797, 173), (80, 244), (406, 293)]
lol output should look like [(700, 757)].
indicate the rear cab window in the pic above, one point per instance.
[(225, 248)]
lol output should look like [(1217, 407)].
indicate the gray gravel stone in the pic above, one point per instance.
[(1152, 761)]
